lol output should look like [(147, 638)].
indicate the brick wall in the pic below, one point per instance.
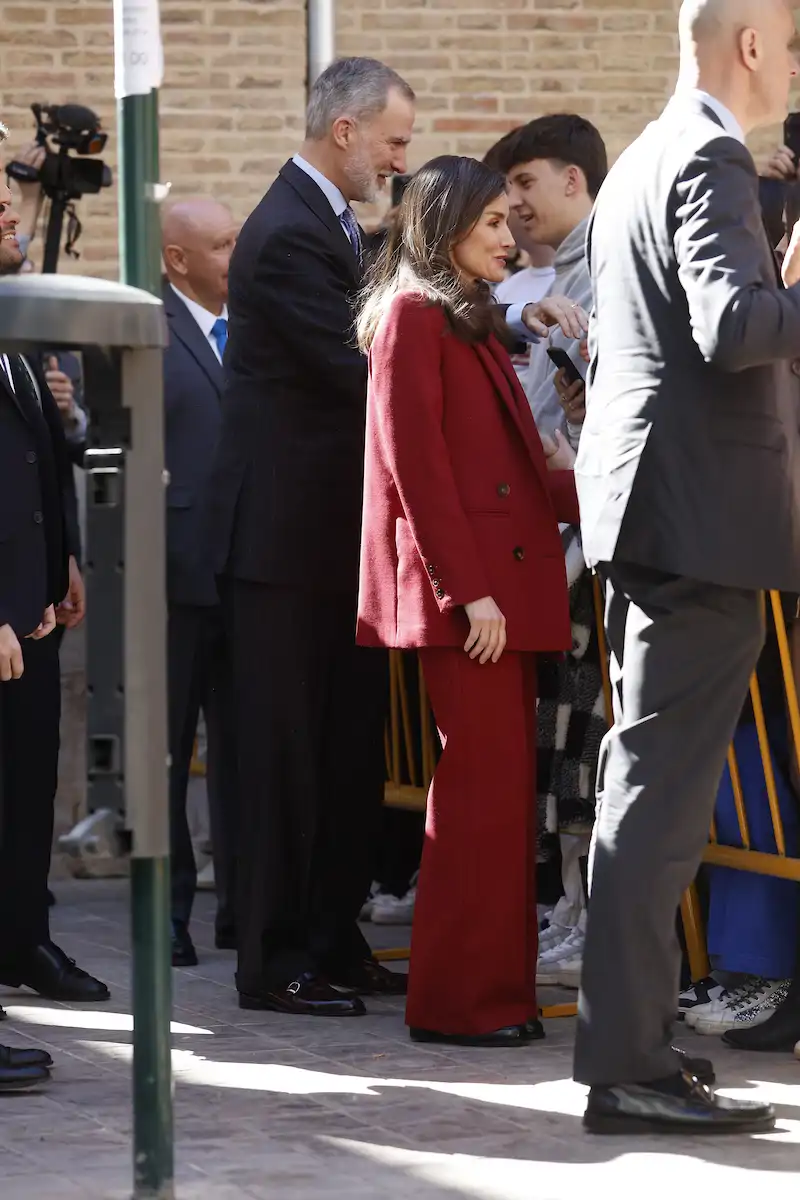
[(231, 107)]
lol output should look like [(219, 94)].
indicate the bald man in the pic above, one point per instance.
[(689, 482), (197, 241)]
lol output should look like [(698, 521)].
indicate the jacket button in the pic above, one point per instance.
[(796, 366), (439, 594), (30, 456), (38, 517), (503, 489), (431, 570), (519, 553)]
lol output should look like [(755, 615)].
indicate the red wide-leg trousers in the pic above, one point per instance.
[(474, 943)]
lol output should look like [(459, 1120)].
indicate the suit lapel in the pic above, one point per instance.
[(183, 326), (26, 403), (504, 380), (315, 199)]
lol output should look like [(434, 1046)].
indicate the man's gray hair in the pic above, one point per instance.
[(352, 87), (4, 134)]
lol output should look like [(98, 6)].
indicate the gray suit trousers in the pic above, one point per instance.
[(682, 653)]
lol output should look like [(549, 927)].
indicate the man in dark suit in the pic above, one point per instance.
[(198, 237), (689, 483), (38, 532), (286, 514)]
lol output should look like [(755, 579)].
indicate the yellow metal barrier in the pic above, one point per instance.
[(741, 858)]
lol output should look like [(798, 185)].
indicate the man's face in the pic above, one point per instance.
[(207, 251), (378, 148), (778, 64), (11, 258), (539, 193)]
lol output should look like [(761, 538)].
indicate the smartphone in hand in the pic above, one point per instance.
[(564, 363)]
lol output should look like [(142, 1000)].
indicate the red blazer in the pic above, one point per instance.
[(458, 501)]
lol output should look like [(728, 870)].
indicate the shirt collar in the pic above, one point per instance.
[(205, 319), (729, 122), (329, 190)]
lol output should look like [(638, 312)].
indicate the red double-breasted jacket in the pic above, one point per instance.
[(458, 501)]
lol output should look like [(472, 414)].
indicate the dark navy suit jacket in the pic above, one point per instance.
[(192, 389)]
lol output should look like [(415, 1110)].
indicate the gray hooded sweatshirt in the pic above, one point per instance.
[(572, 281)]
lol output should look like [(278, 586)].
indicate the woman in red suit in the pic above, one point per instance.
[(462, 560)]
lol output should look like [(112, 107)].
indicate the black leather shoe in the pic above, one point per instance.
[(225, 939), (535, 1030), (781, 1032), (509, 1036), (22, 1079), (680, 1104), (47, 970), (11, 1057), (183, 951), (308, 996), (701, 1068), (369, 978)]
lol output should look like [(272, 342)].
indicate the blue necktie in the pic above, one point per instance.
[(219, 332), (350, 226)]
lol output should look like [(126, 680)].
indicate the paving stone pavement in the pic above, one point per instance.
[(268, 1106)]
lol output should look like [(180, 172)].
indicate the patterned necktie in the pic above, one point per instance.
[(219, 332), (350, 226)]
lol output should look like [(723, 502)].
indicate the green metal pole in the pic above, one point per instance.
[(140, 266)]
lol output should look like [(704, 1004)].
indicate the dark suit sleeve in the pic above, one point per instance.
[(738, 321), (300, 284), (772, 198), (66, 478)]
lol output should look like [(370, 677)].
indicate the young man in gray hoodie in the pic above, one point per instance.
[(554, 167)]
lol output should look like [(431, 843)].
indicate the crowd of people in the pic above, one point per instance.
[(399, 442)]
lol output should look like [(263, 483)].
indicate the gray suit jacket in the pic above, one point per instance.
[(689, 459)]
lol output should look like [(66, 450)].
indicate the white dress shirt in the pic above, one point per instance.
[(205, 319), (729, 121), (329, 190)]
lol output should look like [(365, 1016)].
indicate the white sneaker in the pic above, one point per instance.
[(751, 1004), (699, 995), (568, 974), (551, 962), (391, 910), (552, 936), (366, 909), (205, 880)]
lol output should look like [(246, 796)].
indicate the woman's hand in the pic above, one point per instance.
[(487, 630), (572, 397), (556, 310), (558, 452)]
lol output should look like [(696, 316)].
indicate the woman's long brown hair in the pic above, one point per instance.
[(440, 207)]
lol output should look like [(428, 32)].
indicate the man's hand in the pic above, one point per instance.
[(558, 452), (47, 625), (556, 310), (31, 194), (584, 349), (10, 654), (487, 630), (572, 397), (72, 608), (62, 388), (790, 270), (781, 166)]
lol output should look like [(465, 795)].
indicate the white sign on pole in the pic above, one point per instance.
[(138, 52)]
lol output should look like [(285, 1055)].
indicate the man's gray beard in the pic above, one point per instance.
[(362, 176)]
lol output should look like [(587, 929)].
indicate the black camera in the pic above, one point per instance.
[(63, 177)]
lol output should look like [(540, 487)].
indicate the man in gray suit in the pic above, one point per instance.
[(689, 482)]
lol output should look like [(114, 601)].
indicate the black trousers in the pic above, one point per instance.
[(30, 714), (310, 710), (199, 679)]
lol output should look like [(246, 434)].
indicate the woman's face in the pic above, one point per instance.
[(483, 253)]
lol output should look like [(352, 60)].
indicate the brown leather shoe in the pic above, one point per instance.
[(369, 978), (308, 996)]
